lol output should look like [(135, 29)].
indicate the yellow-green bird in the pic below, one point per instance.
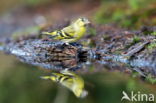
[(71, 33), (70, 80)]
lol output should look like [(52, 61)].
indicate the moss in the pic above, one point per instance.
[(146, 30), (135, 40), (134, 4), (101, 16), (153, 33), (129, 14), (89, 43), (118, 15), (151, 79), (151, 45), (117, 52), (106, 37), (92, 31), (129, 20), (92, 44)]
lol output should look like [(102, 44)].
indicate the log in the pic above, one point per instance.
[(47, 54), (112, 46)]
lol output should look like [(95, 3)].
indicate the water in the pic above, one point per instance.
[(20, 82)]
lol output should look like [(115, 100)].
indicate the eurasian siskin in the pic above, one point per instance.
[(71, 33), (70, 80)]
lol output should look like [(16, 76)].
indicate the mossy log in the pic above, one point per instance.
[(135, 49), (47, 54)]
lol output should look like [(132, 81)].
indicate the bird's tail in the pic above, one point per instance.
[(45, 77), (50, 35), (46, 33), (52, 77)]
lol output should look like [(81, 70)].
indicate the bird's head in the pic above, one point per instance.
[(80, 92), (82, 21)]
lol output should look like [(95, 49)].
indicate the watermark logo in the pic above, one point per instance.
[(137, 96)]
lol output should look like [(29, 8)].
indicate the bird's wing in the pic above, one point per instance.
[(51, 36), (69, 30)]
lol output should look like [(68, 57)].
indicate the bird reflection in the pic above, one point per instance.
[(60, 59), (70, 80), (60, 64)]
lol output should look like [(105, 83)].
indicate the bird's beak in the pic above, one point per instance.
[(87, 22)]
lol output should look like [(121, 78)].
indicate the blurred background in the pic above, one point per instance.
[(20, 83)]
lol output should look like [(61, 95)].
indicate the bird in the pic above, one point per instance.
[(75, 31), (70, 80)]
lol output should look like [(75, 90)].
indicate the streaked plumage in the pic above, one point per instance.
[(72, 32), (70, 80)]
